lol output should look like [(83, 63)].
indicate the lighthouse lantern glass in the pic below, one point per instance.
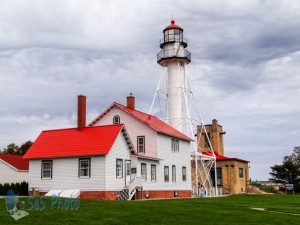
[(173, 35)]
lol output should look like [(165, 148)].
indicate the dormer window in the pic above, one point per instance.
[(116, 120)]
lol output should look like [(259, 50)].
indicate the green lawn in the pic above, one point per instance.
[(226, 210)]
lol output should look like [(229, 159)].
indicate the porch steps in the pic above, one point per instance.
[(123, 195)]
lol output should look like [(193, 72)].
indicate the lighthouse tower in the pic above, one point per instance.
[(175, 57), (178, 106)]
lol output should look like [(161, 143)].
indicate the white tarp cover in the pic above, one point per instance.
[(74, 193)]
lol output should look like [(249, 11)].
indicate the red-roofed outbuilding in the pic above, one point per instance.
[(13, 168)]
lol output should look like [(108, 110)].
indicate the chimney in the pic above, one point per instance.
[(131, 102), (81, 113)]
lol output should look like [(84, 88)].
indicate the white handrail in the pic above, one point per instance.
[(134, 182)]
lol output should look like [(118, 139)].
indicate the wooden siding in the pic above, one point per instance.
[(11, 175), (134, 128), (65, 171), (119, 150), (65, 175), (168, 158)]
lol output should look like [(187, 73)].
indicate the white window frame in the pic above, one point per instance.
[(144, 171), (119, 168), (116, 119), (82, 168), (43, 170), (141, 144), (153, 172), (166, 174), (173, 173), (175, 145), (183, 173)]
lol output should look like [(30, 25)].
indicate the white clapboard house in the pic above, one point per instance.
[(13, 169), (122, 154)]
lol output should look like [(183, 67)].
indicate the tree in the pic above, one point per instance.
[(24, 147), (289, 171), (12, 148)]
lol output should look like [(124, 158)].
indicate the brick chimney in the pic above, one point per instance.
[(81, 113), (131, 102)]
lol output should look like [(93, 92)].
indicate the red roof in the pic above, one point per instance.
[(173, 26), (145, 157), (96, 140), (149, 120), (16, 161), (224, 158)]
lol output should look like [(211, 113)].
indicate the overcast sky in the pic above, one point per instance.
[(244, 70)]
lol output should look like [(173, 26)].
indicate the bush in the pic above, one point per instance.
[(19, 188), (268, 189), (24, 188), (6, 187), (13, 186)]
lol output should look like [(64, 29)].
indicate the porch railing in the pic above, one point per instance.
[(134, 183)]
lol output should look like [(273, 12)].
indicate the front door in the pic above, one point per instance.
[(127, 172)]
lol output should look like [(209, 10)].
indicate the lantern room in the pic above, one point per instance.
[(173, 33), (173, 46)]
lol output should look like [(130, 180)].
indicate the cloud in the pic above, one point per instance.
[(244, 69)]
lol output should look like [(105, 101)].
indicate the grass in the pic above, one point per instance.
[(226, 210)]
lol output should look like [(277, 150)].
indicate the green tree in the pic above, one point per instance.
[(289, 171), (24, 147), (12, 148)]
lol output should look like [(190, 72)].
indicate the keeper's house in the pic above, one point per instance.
[(123, 153)]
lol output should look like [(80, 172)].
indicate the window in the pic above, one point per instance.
[(219, 176), (213, 176), (175, 145), (141, 144), (183, 173), (119, 168), (166, 173), (153, 172), (46, 169), (144, 171), (116, 119), (84, 168), (173, 173), (173, 35), (206, 140), (241, 172)]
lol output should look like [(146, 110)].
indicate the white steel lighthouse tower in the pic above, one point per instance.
[(175, 57), (178, 107)]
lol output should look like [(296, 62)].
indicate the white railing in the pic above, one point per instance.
[(174, 52), (135, 182)]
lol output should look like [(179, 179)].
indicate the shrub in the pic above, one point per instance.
[(6, 187), (1, 189), (18, 189), (24, 188), (268, 189), (13, 186)]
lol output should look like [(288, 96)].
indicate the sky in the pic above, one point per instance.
[(244, 70)]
